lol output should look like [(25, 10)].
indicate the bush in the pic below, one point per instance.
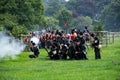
[(98, 28), (18, 30)]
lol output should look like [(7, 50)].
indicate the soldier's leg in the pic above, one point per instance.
[(65, 56), (76, 56), (95, 50), (50, 54), (32, 56), (56, 57), (84, 57), (98, 54)]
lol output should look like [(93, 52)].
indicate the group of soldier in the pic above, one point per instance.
[(60, 45)]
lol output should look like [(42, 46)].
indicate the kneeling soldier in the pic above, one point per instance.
[(35, 50)]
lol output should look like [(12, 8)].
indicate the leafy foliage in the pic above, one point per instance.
[(53, 6), (98, 28), (64, 16), (99, 6), (52, 23), (29, 13), (81, 21), (15, 13), (111, 15), (8, 21), (18, 30), (82, 7)]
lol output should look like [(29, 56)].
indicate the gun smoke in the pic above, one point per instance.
[(9, 46)]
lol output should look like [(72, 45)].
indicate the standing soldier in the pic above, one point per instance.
[(83, 46), (96, 47)]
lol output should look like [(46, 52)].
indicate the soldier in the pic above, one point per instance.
[(77, 50), (82, 49), (96, 47), (53, 54), (71, 50), (82, 46), (63, 51), (35, 50), (86, 34)]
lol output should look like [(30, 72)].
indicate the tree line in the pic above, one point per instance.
[(19, 16), (92, 13)]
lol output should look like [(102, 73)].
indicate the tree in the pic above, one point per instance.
[(7, 20), (52, 23), (111, 16), (98, 28), (63, 17), (71, 4), (81, 21), (52, 6), (99, 6), (82, 7), (26, 13), (18, 30), (29, 12)]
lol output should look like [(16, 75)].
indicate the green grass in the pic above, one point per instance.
[(41, 68)]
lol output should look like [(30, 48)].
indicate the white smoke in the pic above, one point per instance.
[(9, 46), (35, 40)]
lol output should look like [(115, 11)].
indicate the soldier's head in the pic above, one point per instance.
[(92, 35), (80, 34)]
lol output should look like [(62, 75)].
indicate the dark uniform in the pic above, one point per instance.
[(35, 50), (96, 47), (63, 51), (53, 54), (78, 54), (81, 47), (71, 51)]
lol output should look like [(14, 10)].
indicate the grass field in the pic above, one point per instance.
[(41, 68)]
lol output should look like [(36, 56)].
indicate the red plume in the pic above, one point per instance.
[(66, 23)]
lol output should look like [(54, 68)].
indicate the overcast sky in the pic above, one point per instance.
[(66, 0)]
